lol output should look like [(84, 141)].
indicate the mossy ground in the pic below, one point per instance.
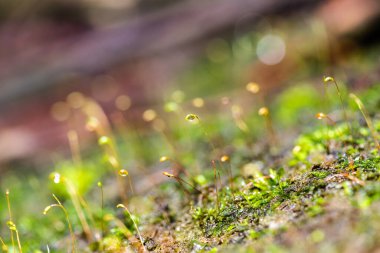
[(318, 192), (312, 188), (302, 206)]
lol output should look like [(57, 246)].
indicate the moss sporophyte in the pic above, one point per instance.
[(329, 79), (235, 192), (59, 205)]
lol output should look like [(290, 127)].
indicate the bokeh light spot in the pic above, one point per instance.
[(271, 49)]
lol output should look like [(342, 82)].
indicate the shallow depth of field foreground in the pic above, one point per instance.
[(190, 126)]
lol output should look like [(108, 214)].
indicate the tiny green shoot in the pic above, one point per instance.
[(237, 112), (73, 139)]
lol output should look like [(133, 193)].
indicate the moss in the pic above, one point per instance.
[(278, 193), (308, 189)]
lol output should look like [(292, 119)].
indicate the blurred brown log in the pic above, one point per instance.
[(25, 72), (154, 33)]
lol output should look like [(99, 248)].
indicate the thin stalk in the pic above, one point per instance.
[(18, 241), (86, 207), (328, 121), (10, 218), (102, 232), (73, 139), (368, 120), (4, 247), (226, 159), (130, 184), (193, 118), (100, 185), (134, 223), (237, 113), (68, 222), (177, 166), (187, 183), (99, 123), (59, 205), (264, 112), (181, 182), (82, 218), (331, 79), (126, 232), (216, 186)]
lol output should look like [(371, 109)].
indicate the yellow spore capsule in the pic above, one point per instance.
[(56, 177), (192, 118), (121, 206), (123, 172), (327, 79), (164, 159), (167, 174), (252, 87), (320, 115), (46, 210), (104, 140), (11, 225), (225, 158), (263, 111)]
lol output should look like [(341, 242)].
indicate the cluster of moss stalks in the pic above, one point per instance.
[(265, 197), (330, 161)]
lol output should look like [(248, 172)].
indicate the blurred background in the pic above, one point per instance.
[(135, 55)]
